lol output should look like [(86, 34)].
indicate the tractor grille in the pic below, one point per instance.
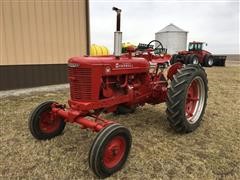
[(80, 83)]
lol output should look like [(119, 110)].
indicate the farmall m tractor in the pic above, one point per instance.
[(119, 83)]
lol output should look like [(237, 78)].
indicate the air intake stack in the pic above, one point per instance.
[(118, 34)]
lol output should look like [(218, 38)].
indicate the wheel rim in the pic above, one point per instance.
[(210, 62), (195, 61), (47, 124), (114, 152), (195, 100)]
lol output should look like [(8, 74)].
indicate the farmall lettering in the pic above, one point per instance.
[(123, 65)]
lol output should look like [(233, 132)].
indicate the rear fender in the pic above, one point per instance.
[(173, 70)]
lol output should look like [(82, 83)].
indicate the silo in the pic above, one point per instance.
[(173, 38)]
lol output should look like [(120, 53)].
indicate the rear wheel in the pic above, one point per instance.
[(193, 59), (187, 98), (42, 124), (174, 58), (187, 58), (110, 150), (208, 61)]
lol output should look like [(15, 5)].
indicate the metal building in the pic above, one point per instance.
[(173, 38), (38, 37)]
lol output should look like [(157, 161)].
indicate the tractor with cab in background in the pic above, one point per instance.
[(196, 55), (120, 83)]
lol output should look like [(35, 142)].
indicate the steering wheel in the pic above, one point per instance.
[(159, 44)]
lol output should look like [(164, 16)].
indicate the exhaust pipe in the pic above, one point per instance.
[(118, 34)]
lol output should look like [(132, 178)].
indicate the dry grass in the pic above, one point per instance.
[(212, 151)]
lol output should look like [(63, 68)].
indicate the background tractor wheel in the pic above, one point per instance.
[(193, 59), (187, 58), (187, 97), (110, 150), (41, 125), (208, 61), (174, 59)]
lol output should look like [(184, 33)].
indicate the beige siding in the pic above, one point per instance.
[(42, 32)]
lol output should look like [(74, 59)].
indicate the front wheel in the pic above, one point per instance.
[(42, 124), (187, 97), (110, 150)]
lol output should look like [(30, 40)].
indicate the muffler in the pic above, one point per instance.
[(118, 34)]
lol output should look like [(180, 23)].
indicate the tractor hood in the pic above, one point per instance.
[(206, 52), (110, 65)]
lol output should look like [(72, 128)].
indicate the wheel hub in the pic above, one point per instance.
[(210, 62), (47, 123), (195, 100), (114, 151)]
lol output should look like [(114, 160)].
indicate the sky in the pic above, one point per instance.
[(213, 21)]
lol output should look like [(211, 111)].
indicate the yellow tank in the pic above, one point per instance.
[(126, 45), (97, 50)]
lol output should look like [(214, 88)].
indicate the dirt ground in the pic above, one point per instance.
[(211, 152)]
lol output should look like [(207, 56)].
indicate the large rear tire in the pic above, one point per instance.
[(187, 98), (110, 150), (41, 125)]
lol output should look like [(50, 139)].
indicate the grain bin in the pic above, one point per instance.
[(173, 38)]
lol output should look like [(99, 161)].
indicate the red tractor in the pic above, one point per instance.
[(120, 83), (196, 55)]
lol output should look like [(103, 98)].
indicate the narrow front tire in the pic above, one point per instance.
[(42, 124), (110, 150)]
